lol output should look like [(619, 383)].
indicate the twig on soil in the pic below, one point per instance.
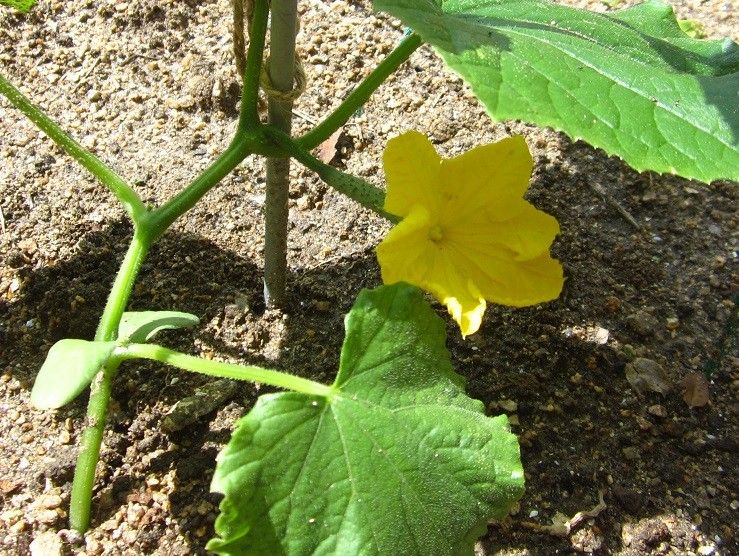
[(305, 117), (608, 198), (561, 526), (206, 399), (132, 57), (2, 221), (92, 67), (340, 256)]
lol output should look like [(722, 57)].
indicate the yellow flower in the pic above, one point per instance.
[(467, 234)]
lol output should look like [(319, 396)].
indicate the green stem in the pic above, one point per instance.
[(244, 144), (361, 94), (224, 370), (248, 139), (281, 71), (122, 285), (249, 116), (353, 187), (117, 185), (100, 389)]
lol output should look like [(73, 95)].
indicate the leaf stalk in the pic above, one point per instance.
[(361, 94), (133, 205), (224, 370)]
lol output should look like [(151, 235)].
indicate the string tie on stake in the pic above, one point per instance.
[(284, 97)]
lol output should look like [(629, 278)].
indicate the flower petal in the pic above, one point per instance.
[(493, 175), (412, 173), (526, 235), (406, 253), (502, 279), (455, 290), (468, 235)]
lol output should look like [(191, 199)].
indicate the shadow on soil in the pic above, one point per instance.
[(185, 273), (581, 427)]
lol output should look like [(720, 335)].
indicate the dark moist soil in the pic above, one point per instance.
[(150, 87)]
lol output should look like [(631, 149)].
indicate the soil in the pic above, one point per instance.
[(150, 87)]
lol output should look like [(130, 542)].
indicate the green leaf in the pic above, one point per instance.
[(398, 461), (142, 326), (69, 368), (20, 5), (630, 82)]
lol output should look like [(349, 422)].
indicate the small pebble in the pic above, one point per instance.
[(47, 544), (630, 453), (18, 527), (50, 501), (644, 424), (46, 516), (643, 323)]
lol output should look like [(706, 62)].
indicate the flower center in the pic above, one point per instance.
[(436, 234)]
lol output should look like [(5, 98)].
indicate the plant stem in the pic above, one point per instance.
[(248, 139), (361, 94), (160, 219), (97, 408), (117, 185), (224, 370), (121, 290), (249, 116), (353, 187), (281, 70)]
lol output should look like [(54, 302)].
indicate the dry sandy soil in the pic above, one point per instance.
[(150, 87)]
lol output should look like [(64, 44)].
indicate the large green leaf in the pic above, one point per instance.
[(630, 82), (398, 461), (68, 369)]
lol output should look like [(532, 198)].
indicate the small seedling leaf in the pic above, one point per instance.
[(630, 82), (69, 368), (141, 326), (20, 5), (398, 461)]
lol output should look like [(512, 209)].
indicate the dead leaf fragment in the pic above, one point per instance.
[(645, 375), (9, 487), (327, 149), (695, 389)]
